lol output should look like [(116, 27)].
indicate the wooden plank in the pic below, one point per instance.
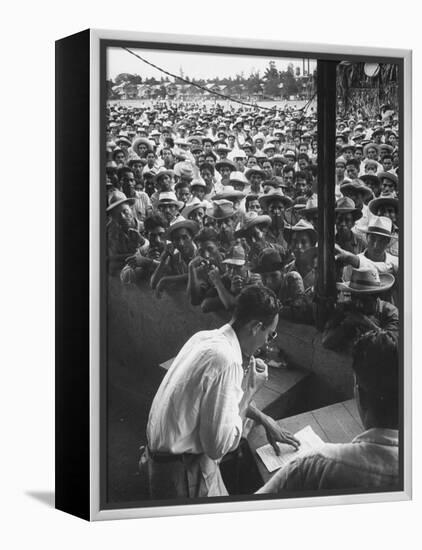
[(282, 379), (351, 406), (330, 418), (333, 424)]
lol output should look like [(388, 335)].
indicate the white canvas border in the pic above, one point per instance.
[(160, 511)]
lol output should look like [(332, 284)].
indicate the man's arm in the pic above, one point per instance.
[(194, 289), (161, 269)]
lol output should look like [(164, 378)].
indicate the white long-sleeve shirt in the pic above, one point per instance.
[(196, 408)]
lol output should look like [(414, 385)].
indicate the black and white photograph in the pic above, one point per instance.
[(253, 333)]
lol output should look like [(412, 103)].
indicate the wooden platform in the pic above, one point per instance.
[(338, 423)]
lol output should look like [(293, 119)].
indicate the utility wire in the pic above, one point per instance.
[(272, 109)]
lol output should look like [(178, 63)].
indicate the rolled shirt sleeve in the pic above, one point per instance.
[(220, 426)]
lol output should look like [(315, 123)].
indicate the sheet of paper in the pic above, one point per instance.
[(309, 442)]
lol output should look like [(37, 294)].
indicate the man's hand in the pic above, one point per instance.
[(196, 262), (275, 435), (214, 275), (236, 284), (169, 249), (257, 375), (137, 261)]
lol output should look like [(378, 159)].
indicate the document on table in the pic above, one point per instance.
[(309, 441)]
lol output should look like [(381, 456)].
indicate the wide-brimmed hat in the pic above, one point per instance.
[(190, 225), (229, 193), (380, 225), (198, 182), (370, 145), (250, 220), (238, 177), (124, 140), (357, 185), (346, 205), (237, 154), (138, 141), (274, 194), (183, 170), (192, 206), (163, 172), (116, 198), (389, 176), (225, 162), (221, 209), (254, 170), (302, 225), (236, 256), (367, 280), (383, 201), (311, 206), (269, 260), (386, 147), (169, 197)]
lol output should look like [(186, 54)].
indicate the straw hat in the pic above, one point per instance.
[(380, 225), (229, 193), (346, 205), (367, 280), (302, 225), (190, 225), (116, 198), (236, 256), (252, 219), (221, 209), (274, 194)]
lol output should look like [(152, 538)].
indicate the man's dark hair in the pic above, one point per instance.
[(353, 162), (153, 221), (303, 156), (287, 169), (207, 234), (249, 199), (211, 154), (181, 185), (122, 171), (256, 303), (207, 166), (376, 365), (303, 176)]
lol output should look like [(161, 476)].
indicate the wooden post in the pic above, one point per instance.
[(325, 292)]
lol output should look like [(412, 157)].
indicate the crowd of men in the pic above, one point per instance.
[(211, 199), (221, 202)]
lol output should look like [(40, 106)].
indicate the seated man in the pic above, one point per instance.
[(379, 236), (123, 232), (206, 280), (365, 312), (200, 408), (299, 274), (253, 232), (371, 460), (142, 265), (172, 270)]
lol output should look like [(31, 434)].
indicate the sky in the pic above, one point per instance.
[(194, 65)]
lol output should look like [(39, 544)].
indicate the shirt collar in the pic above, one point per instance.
[(231, 336), (379, 436)]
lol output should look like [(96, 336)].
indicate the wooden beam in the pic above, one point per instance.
[(325, 292)]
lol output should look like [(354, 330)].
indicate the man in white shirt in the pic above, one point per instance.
[(199, 411)]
